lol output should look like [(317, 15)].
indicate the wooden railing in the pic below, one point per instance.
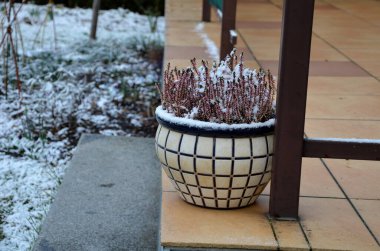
[(228, 33), (289, 143)]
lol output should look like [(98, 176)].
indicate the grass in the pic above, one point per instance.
[(2, 235), (6, 205)]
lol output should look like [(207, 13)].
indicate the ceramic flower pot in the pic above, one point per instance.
[(215, 165)]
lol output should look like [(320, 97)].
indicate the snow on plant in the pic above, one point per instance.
[(225, 93)]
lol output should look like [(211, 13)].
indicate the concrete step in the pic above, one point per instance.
[(109, 198)]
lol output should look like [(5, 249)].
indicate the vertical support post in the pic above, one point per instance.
[(293, 75), (206, 11), (228, 24), (95, 14)]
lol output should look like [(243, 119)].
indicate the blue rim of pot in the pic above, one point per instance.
[(226, 131)]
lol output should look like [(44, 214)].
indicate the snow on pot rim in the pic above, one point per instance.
[(197, 127)]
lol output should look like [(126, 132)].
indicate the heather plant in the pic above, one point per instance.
[(224, 93)]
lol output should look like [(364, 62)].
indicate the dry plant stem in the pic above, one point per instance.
[(54, 30), (17, 26), (16, 65), (41, 29), (203, 93), (5, 61), (7, 44)]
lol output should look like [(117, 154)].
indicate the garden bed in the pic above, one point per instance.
[(70, 86)]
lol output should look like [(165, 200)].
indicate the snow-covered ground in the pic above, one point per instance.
[(70, 87)]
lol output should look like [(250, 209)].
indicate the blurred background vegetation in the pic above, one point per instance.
[(152, 7)]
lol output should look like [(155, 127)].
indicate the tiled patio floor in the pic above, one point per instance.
[(340, 199)]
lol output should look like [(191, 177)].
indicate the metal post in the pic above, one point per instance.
[(95, 14), (206, 11), (291, 105), (228, 24)]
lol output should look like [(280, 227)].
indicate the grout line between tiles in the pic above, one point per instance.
[(365, 199), (351, 14), (274, 232), (305, 235), (350, 59), (320, 197), (338, 50), (249, 48), (350, 202), (340, 94), (347, 198), (344, 119)]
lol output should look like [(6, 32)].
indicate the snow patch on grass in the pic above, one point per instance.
[(104, 86)]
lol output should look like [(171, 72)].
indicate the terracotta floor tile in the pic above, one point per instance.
[(191, 38), (258, 24), (343, 86), (181, 16), (359, 179), (266, 53), (372, 66), (322, 51), (325, 55), (348, 32), (315, 181), (247, 55), (261, 37), (186, 52), (362, 53), (324, 7), (343, 43), (215, 36), (335, 68), (369, 9), (289, 235), (179, 63), (369, 210), (183, 224), (332, 224), (176, 26), (324, 68), (342, 129), (167, 186), (264, 12), (251, 64), (343, 107), (271, 65), (277, 2), (174, 10)]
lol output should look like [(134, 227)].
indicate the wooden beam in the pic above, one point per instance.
[(206, 11), (290, 107), (228, 24), (342, 149)]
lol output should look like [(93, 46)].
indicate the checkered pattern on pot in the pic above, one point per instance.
[(215, 172)]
